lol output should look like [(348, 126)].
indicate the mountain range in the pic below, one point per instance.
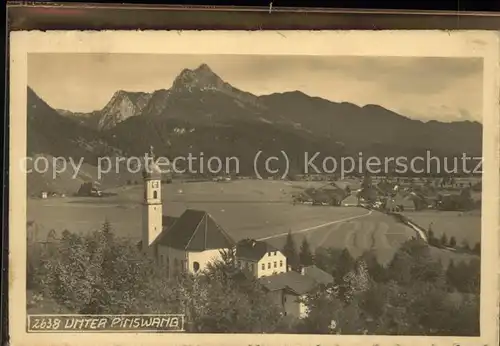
[(200, 112)]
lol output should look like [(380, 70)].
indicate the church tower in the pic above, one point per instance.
[(152, 213)]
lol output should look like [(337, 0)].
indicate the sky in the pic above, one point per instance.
[(444, 89)]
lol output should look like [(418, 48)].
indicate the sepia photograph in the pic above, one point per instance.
[(281, 190)]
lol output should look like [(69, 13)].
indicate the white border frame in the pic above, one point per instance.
[(361, 43)]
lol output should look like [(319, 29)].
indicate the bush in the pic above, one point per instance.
[(102, 274)]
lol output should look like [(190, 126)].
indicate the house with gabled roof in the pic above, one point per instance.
[(288, 289), (350, 201), (185, 243), (260, 258)]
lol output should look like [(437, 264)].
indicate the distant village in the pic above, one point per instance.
[(193, 240), (393, 194), (190, 242), (87, 189), (396, 194)]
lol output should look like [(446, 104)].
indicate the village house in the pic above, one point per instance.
[(368, 194), (259, 258), (386, 188), (185, 243), (322, 196), (89, 190), (350, 201), (400, 202), (288, 289)]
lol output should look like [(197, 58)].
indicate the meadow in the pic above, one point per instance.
[(248, 209), (464, 226), (244, 208)]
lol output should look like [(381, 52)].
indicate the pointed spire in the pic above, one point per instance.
[(151, 152)]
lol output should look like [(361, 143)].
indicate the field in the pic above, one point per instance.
[(462, 226), (245, 209)]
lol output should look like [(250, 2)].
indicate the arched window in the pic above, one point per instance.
[(155, 194), (196, 267)]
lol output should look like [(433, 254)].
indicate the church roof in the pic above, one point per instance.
[(194, 230), (168, 221)]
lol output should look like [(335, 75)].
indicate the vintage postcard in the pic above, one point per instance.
[(254, 188)]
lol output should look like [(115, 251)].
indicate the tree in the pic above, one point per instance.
[(331, 309), (321, 259), (466, 200), (474, 276), (345, 263), (453, 242), (464, 276), (452, 181), (415, 301), (375, 269), (290, 252), (305, 255), (356, 281), (224, 269), (452, 275), (444, 240), (234, 302), (322, 305), (465, 245), (413, 262), (433, 241), (367, 182), (326, 259), (98, 273), (101, 274)]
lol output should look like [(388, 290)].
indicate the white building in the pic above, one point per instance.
[(184, 243), (260, 258)]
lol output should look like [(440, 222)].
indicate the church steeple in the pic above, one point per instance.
[(152, 204), (151, 169)]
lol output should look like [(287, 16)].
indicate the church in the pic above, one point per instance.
[(185, 243)]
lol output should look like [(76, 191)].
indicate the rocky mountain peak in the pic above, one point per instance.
[(134, 97), (202, 78), (204, 69), (123, 105)]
